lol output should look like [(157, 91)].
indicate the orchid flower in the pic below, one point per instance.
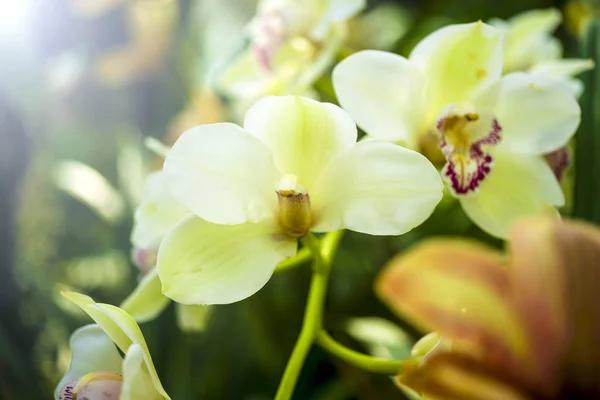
[(97, 369), (295, 167), (529, 46), (492, 130), (291, 43), (521, 327)]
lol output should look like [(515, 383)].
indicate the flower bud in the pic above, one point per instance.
[(425, 345)]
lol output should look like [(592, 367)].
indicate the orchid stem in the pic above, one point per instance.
[(301, 257), (359, 360), (322, 257)]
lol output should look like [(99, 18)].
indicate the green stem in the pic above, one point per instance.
[(303, 255), (322, 257), (362, 361)]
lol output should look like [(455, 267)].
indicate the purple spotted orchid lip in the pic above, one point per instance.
[(466, 140)]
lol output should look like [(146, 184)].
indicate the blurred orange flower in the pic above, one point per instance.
[(525, 326)]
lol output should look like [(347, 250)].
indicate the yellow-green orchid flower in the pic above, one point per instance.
[(520, 327), (156, 214), (529, 46), (97, 369), (291, 44), (492, 129), (295, 167)]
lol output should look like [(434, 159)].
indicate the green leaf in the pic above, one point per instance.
[(587, 141)]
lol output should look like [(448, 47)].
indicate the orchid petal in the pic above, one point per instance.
[(156, 214), (120, 327), (563, 68), (223, 174), (529, 38), (517, 186), (376, 188), (389, 101), (538, 115), (458, 60), (146, 301), (204, 263), (91, 351), (450, 376), (137, 383), (303, 135), (555, 274), (460, 290)]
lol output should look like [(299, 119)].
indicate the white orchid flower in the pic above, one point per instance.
[(531, 47), (492, 130), (291, 44), (97, 370), (294, 167)]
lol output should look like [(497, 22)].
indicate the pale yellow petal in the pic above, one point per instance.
[(376, 188), (518, 186), (137, 383), (304, 135), (204, 263), (458, 60), (223, 174)]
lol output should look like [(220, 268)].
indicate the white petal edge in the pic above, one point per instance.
[(458, 61), (204, 263), (377, 188), (518, 186), (91, 351), (384, 93), (304, 135), (146, 301), (120, 327), (222, 174), (537, 115)]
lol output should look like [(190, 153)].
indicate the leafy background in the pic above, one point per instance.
[(72, 123)]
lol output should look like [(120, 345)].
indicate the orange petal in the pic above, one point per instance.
[(461, 290), (538, 292), (451, 376), (556, 273)]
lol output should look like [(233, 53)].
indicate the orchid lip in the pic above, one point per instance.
[(466, 140)]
